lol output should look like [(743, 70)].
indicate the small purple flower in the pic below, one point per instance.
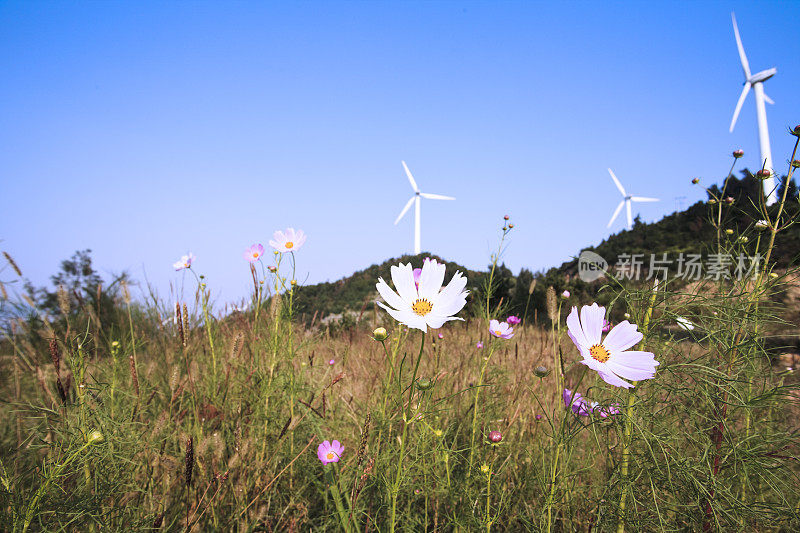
[(606, 326), (328, 452), (565, 294), (539, 417), (254, 253), (332, 361), (501, 330), (579, 405), (513, 320), (441, 335), (479, 345)]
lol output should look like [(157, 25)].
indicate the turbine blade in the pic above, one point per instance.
[(617, 183), (742, 56), (435, 196), (410, 178), (406, 208), (630, 218), (739, 104), (768, 99), (644, 199), (616, 213)]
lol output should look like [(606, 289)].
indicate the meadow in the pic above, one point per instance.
[(124, 412)]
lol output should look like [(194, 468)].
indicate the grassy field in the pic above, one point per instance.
[(137, 416)]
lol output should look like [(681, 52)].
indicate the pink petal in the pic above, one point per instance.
[(623, 336)]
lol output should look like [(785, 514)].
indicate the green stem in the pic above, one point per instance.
[(475, 408), (626, 441), (406, 423)]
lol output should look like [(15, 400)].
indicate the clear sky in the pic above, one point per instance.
[(146, 130)]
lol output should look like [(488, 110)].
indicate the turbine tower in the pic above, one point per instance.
[(416, 201), (756, 81), (626, 201)]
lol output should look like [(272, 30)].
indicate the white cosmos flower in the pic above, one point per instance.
[(609, 357), (428, 305), (287, 241)]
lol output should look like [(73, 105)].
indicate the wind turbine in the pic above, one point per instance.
[(415, 200), (626, 201), (756, 81)]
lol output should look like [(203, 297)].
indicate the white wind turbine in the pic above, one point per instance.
[(415, 200), (756, 81), (626, 201)]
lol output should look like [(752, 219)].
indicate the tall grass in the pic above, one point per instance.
[(214, 423)]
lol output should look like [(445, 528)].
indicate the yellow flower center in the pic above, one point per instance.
[(599, 352), (498, 332), (422, 307), (329, 456), (289, 244)]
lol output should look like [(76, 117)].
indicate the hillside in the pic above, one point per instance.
[(685, 232)]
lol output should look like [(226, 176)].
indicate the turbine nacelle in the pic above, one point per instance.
[(762, 76)]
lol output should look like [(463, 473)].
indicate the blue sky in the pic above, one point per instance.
[(146, 130)]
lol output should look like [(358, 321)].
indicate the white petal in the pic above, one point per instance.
[(455, 287), (390, 296), (406, 317), (431, 279), (592, 318), (437, 321), (403, 279), (623, 336), (613, 379), (633, 374), (450, 307), (575, 330)]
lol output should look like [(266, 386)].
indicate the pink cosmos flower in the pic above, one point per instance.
[(565, 294), (513, 320), (184, 262), (608, 357), (330, 452), (479, 345), (287, 241), (501, 330), (606, 326), (441, 335), (332, 361), (254, 253)]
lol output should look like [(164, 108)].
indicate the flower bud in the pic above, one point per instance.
[(510, 226), (742, 239), (796, 163), (696, 180), (438, 432), (506, 217), (729, 200), (761, 225), (379, 334), (565, 294), (729, 231), (495, 437), (738, 153), (424, 384), (94, 437), (712, 202), (763, 174), (796, 131), (485, 468), (541, 371)]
